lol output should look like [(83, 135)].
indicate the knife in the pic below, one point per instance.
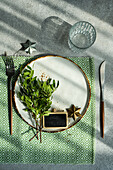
[(102, 82)]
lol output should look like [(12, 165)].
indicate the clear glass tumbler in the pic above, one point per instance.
[(82, 35)]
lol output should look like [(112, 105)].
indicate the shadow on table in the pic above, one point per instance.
[(54, 35), (54, 32)]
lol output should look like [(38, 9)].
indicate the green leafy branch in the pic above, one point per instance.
[(36, 94)]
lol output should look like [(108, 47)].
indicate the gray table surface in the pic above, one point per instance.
[(37, 20)]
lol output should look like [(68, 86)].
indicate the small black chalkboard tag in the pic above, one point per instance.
[(55, 120)]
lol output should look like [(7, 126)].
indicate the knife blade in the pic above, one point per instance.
[(102, 82)]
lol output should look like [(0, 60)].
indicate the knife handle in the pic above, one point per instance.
[(11, 114), (102, 118)]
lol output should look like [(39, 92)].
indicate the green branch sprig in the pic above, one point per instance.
[(35, 94)]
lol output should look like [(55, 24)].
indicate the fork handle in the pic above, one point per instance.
[(102, 118), (11, 113)]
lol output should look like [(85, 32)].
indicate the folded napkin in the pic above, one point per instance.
[(73, 146)]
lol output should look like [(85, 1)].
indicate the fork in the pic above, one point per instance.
[(10, 70)]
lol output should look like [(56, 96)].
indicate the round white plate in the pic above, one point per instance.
[(73, 87)]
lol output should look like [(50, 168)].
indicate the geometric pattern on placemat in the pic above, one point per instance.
[(73, 146)]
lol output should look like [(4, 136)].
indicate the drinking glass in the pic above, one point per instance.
[(82, 35)]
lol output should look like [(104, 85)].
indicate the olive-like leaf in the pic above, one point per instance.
[(21, 68), (48, 80), (57, 84), (29, 67), (26, 73), (22, 98), (32, 72), (53, 83)]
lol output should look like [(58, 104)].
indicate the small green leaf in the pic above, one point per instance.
[(26, 109), (33, 110), (47, 114), (22, 98), (32, 72), (53, 83), (29, 67), (37, 93), (44, 84), (27, 78), (33, 79), (19, 94), (37, 112), (52, 86), (48, 80), (39, 82), (26, 73), (21, 68), (57, 84)]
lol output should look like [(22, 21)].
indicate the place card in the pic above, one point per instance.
[(55, 120)]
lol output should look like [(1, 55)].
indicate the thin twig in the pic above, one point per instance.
[(16, 52), (32, 137), (37, 129), (40, 131), (36, 134)]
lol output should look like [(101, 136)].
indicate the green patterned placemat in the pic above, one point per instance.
[(73, 146)]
